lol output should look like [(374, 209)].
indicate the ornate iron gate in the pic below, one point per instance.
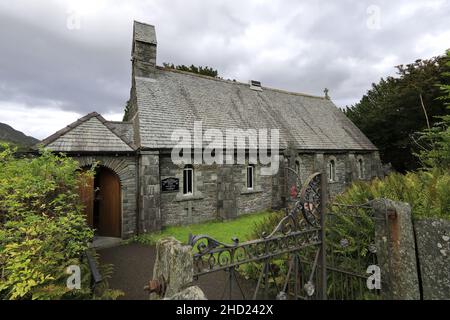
[(300, 258), (299, 231), (351, 252)]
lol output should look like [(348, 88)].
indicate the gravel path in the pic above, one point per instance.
[(133, 268)]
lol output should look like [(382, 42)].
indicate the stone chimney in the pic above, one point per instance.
[(143, 52)]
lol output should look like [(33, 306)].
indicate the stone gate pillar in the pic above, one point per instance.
[(396, 252), (173, 272)]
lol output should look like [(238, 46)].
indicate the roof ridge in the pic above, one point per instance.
[(78, 122), (116, 121), (66, 129), (238, 82), (107, 124)]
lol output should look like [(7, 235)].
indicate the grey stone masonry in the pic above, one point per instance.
[(149, 192), (375, 167), (174, 270), (306, 163), (259, 198), (179, 208), (340, 183), (346, 168), (227, 192), (190, 293), (394, 239), (144, 50), (220, 191), (278, 186), (433, 248), (305, 166)]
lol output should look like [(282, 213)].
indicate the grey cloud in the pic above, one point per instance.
[(327, 44), (39, 65)]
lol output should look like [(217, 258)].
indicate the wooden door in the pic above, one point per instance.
[(86, 192), (109, 224)]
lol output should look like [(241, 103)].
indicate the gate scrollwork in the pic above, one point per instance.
[(297, 230)]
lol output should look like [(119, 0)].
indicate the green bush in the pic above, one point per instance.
[(435, 141), (42, 227), (428, 192)]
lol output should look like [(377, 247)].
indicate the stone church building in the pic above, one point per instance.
[(138, 188)]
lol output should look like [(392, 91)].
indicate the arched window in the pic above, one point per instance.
[(360, 168), (250, 176), (332, 170), (297, 167), (188, 180)]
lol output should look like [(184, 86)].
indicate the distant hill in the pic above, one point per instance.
[(9, 134)]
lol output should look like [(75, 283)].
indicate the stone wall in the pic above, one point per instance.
[(125, 168), (278, 182), (433, 249), (258, 199), (346, 167), (221, 192), (149, 192), (177, 208), (342, 169), (227, 191), (304, 165), (347, 170)]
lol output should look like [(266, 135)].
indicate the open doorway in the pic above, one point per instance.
[(101, 197)]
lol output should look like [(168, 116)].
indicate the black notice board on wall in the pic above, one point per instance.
[(170, 184)]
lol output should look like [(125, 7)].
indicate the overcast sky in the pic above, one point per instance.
[(62, 59)]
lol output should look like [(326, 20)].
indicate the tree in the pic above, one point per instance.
[(205, 71), (126, 114), (435, 141), (397, 107)]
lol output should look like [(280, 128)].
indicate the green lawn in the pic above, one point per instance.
[(220, 230)]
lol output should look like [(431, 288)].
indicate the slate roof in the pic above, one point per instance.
[(92, 133), (124, 130), (174, 99)]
